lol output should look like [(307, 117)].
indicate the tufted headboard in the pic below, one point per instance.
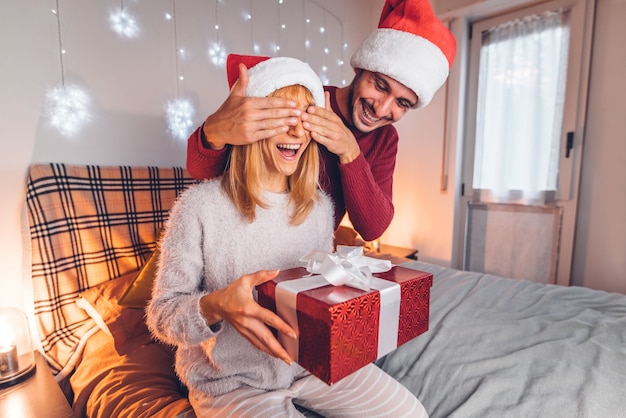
[(89, 224)]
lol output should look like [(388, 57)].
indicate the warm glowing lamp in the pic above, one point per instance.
[(17, 359)]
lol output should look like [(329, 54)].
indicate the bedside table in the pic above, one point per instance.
[(36, 397), (396, 255)]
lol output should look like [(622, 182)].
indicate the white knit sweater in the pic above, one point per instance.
[(206, 246)]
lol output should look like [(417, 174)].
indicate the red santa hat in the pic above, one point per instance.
[(270, 74), (411, 45)]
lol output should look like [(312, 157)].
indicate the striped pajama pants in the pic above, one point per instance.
[(369, 392)]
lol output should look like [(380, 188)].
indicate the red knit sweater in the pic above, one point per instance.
[(363, 187)]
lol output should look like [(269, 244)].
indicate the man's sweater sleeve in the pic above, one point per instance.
[(367, 184), (368, 203), (202, 162)]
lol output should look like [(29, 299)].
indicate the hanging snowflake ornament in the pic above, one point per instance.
[(180, 118), (68, 108), (217, 54), (124, 24)]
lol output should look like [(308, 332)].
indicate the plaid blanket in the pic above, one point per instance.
[(90, 224)]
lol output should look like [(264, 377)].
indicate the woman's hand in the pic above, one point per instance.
[(236, 305)]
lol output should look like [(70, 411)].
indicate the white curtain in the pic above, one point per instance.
[(521, 91)]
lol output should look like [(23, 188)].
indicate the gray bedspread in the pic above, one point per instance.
[(508, 348)]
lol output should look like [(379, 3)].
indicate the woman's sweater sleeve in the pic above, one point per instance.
[(173, 314)]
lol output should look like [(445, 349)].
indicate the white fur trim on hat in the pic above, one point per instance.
[(275, 73), (409, 59)]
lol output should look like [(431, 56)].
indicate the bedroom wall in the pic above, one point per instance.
[(600, 251)]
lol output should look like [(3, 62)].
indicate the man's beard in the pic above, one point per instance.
[(351, 107), (355, 109)]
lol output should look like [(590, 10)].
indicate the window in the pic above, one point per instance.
[(519, 115), (525, 100)]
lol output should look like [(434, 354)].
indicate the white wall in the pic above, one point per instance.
[(130, 80), (600, 252), (424, 214)]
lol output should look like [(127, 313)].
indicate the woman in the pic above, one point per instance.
[(266, 211)]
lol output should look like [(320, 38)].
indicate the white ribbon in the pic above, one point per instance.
[(389, 320), (347, 267)]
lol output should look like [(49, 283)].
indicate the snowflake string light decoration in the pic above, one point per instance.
[(68, 109), (180, 115), (123, 23), (217, 54), (67, 106), (179, 112)]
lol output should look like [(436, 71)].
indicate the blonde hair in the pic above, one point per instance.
[(242, 179)]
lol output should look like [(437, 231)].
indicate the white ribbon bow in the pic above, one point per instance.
[(348, 266)]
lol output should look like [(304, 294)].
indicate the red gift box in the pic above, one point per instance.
[(339, 326)]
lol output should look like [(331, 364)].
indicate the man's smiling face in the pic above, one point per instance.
[(378, 100)]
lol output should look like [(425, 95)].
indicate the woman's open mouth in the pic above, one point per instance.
[(288, 150)]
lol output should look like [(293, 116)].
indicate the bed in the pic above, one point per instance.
[(496, 347)]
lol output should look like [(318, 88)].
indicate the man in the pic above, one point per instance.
[(398, 67)]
